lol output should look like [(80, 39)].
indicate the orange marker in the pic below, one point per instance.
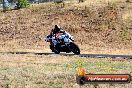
[(81, 71)]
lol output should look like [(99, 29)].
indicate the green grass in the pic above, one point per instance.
[(34, 71)]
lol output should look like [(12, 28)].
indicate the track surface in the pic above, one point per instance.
[(81, 55)]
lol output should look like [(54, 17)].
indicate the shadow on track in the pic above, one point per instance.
[(70, 54), (35, 53), (106, 55), (99, 55)]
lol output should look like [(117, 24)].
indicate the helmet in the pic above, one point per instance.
[(56, 29)]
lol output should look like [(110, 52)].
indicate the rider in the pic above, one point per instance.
[(55, 32)]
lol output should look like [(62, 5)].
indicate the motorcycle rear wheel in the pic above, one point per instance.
[(56, 50)]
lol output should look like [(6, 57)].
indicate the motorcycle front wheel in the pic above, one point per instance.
[(74, 48)]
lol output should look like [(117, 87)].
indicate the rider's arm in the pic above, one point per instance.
[(67, 34), (71, 37)]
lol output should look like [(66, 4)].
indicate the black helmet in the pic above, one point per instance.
[(56, 29)]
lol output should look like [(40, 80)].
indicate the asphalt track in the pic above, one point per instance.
[(69, 54)]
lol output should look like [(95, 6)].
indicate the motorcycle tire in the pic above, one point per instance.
[(74, 48), (56, 50), (52, 48)]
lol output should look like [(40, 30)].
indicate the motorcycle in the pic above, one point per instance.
[(65, 43)]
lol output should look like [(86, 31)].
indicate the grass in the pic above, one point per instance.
[(54, 71)]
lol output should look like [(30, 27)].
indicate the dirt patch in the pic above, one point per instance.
[(91, 26)]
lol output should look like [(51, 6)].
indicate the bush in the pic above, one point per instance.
[(22, 4), (58, 1)]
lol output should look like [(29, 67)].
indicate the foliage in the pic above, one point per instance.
[(22, 4), (58, 1)]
